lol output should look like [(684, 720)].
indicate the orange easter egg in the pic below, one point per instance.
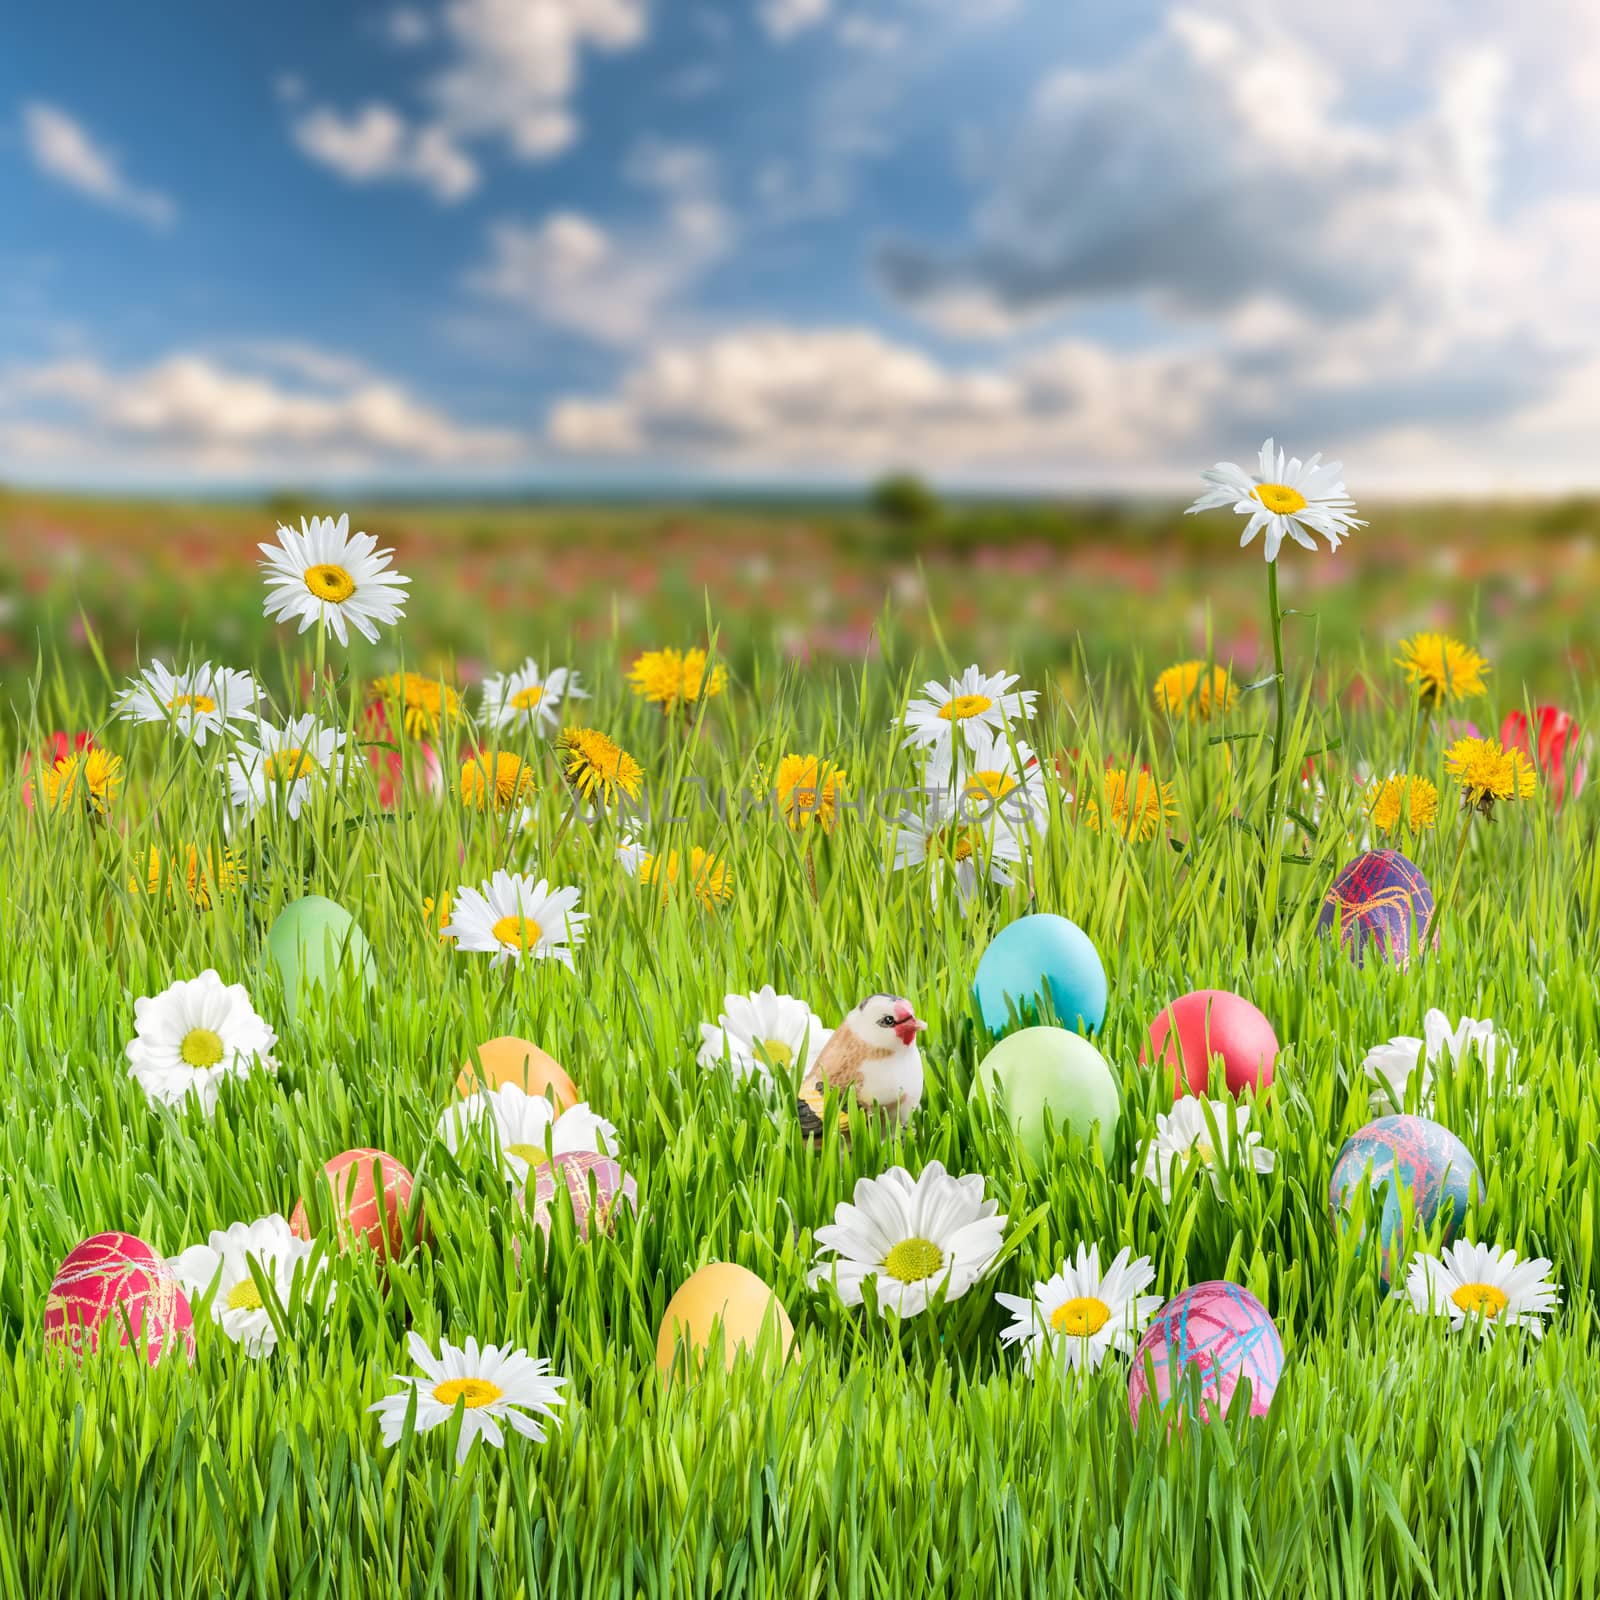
[(509, 1059), (365, 1211), (725, 1294)]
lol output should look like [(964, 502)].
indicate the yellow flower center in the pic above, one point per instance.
[(964, 706), (990, 785), (201, 1048), (527, 699), (1080, 1317), (1280, 498), (473, 1392), (1482, 1299), (288, 765), (330, 582), (775, 1053), (244, 1296), (912, 1260), (197, 703), (533, 1154), (518, 932)]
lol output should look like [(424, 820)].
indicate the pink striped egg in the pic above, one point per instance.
[(115, 1283)]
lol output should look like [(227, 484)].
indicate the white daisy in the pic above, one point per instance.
[(914, 1237), (1209, 1130), (512, 916), (496, 1384), (222, 1265), (1083, 1313), (966, 852), (974, 702), (1392, 1065), (526, 1128), (1477, 1284), (762, 1033), (1287, 496), (284, 764), (325, 574), (996, 775), (528, 699), (197, 703), (193, 1035)]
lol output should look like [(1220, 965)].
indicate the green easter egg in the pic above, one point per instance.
[(318, 944), (1036, 1068)]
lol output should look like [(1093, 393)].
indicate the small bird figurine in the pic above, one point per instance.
[(873, 1053)]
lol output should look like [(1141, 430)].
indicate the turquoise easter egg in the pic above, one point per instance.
[(1049, 1069), (316, 944), (1038, 955)]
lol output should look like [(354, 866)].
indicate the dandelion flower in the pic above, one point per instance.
[(1441, 669), (325, 574), (1083, 1313), (426, 704), (708, 875), (1197, 690), (89, 777), (762, 1033), (1484, 1287), (514, 918), (194, 1034), (597, 767), (1408, 801), (493, 1385), (913, 1237), (1204, 1130), (1486, 773), (197, 703), (1139, 805), (809, 791), (223, 873), (436, 916), (222, 1266), (284, 764), (676, 678), (525, 698), (525, 1128), (1287, 497), (497, 779), (975, 702)]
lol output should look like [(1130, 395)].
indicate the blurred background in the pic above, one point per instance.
[(819, 318)]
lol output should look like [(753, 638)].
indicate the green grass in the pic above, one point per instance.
[(1397, 1460)]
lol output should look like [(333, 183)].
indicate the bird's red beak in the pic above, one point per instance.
[(908, 1027)]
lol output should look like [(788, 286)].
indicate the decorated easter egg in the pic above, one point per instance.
[(365, 1211), (729, 1301), (583, 1175), (1380, 899), (113, 1286), (1219, 1329), (512, 1060), (1049, 1069), (1039, 955), (316, 944), (1402, 1153), (1213, 1022)]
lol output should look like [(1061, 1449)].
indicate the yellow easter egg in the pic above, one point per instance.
[(519, 1061), (725, 1294)]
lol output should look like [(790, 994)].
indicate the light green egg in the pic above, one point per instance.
[(1036, 1069), (317, 945)]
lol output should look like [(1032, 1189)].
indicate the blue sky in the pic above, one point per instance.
[(1007, 242)]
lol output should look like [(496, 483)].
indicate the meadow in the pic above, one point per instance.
[(1400, 1455)]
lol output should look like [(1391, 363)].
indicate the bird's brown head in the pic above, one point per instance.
[(881, 1018)]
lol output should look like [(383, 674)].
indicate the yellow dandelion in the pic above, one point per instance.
[(436, 916), (809, 791), (1139, 806), (425, 703), (676, 678), (597, 766), (1441, 669), (497, 778), (1196, 690), (89, 777), (1486, 773), (224, 874), (709, 877), (1408, 801)]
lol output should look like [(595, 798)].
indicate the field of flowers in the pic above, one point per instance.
[(719, 813)]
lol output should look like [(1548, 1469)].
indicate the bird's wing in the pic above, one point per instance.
[(841, 1060)]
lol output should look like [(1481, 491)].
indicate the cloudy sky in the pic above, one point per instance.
[(1067, 243)]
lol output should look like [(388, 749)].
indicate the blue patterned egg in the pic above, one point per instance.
[(1380, 899)]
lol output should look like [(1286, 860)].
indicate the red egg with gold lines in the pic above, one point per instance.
[(584, 1171), (114, 1283), (371, 1195)]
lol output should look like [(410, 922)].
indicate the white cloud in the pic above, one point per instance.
[(511, 74), (63, 149), (406, 27), (188, 413), (783, 19), (861, 32)]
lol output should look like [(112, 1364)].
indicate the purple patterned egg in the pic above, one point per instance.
[(1223, 1331), (583, 1172), (1404, 1153), (1380, 899)]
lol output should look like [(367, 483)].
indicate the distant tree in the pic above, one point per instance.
[(905, 501)]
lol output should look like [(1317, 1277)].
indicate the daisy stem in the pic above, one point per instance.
[(1431, 931), (1275, 614)]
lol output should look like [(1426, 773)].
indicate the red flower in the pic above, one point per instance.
[(61, 747), (1557, 756)]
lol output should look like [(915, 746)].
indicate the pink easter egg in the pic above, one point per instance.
[(582, 1171), (1223, 1331), (115, 1283)]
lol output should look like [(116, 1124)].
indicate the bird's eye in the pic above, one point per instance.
[(885, 1021)]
